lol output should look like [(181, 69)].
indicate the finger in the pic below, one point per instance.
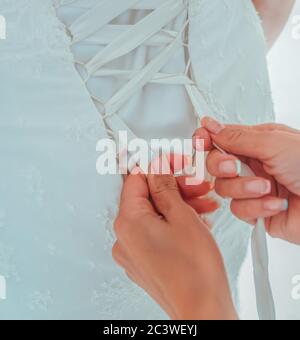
[(203, 205), (261, 127), (179, 162), (135, 186), (242, 140), (202, 134), (164, 189), (192, 191), (222, 165), (135, 191), (243, 187), (170, 163), (165, 195), (253, 209), (274, 127)]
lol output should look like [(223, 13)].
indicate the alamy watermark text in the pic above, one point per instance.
[(154, 157), (296, 288), (2, 288), (2, 27)]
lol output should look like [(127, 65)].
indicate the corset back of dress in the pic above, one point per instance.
[(149, 67)]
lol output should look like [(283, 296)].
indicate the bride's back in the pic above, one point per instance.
[(56, 212)]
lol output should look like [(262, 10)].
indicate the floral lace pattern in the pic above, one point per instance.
[(41, 301), (56, 215)]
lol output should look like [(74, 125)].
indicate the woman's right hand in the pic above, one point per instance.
[(273, 152)]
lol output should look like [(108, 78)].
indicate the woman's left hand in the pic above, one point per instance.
[(169, 251)]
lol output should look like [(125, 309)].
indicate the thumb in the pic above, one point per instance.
[(165, 194), (135, 189), (243, 140)]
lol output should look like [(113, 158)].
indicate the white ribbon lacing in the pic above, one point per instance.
[(94, 27)]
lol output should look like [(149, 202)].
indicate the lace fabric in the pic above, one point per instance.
[(125, 41), (65, 211)]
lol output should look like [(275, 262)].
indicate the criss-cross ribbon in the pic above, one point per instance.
[(94, 26)]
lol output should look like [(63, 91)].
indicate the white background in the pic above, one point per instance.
[(284, 64)]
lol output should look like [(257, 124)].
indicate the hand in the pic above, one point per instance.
[(169, 251), (193, 195), (273, 152)]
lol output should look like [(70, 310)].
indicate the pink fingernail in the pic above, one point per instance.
[(260, 187), (198, 143), (229, 167), (213, 126), (276, 205)]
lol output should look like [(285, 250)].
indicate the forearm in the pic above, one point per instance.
[(274, 15)]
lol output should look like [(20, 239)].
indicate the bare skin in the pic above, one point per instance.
[(165, 248), (274, 15), (169, 251), (273, 153)]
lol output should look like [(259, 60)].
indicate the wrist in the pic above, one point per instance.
[(194, 299), (210, 307)]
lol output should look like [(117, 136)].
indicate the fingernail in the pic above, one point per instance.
[(230, 167), (238, 167), (213, 126), (277, 205), (198, 143), (258, 187)]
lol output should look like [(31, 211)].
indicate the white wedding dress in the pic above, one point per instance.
[(74, 71)]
